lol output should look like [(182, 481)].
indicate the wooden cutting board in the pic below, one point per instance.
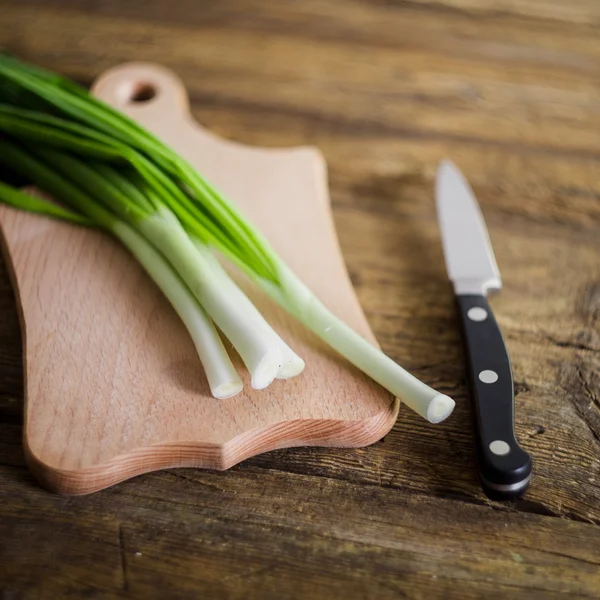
[(113, 385)]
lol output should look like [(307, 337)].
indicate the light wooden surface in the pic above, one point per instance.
[(114, 386), (507, 90)]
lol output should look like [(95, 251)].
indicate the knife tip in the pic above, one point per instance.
[(446, 165)]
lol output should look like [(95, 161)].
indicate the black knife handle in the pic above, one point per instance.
[(504, 467)]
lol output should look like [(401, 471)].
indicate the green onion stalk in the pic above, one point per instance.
[(109, 172)]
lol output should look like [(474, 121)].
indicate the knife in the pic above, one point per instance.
[(504, 467)]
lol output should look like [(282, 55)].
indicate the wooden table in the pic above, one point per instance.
[(508, 90)]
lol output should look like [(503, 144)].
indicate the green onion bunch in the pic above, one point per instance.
[(108, 172)]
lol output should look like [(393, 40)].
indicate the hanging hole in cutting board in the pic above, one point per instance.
[(143, 88), (142, 92)]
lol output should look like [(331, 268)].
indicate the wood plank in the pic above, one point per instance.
[(583, 13), (274, 535), (47, 551), (448, 75)]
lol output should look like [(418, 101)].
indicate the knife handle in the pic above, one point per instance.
[(504, 467)]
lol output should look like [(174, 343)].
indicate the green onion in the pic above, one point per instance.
[(18, 199), (114, 174)]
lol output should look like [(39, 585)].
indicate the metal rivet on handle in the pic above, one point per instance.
[(500, 447), (477, 314), (488, 376)]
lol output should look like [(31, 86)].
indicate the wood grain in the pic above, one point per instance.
[(507, 90), (190, 533)]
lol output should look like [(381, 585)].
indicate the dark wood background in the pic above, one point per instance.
[(510, 91)]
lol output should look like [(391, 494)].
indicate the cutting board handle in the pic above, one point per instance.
[(139, 87)]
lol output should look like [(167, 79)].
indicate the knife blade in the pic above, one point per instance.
[(504, 467)]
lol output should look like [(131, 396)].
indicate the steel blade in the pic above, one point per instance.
[(470, 260)]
